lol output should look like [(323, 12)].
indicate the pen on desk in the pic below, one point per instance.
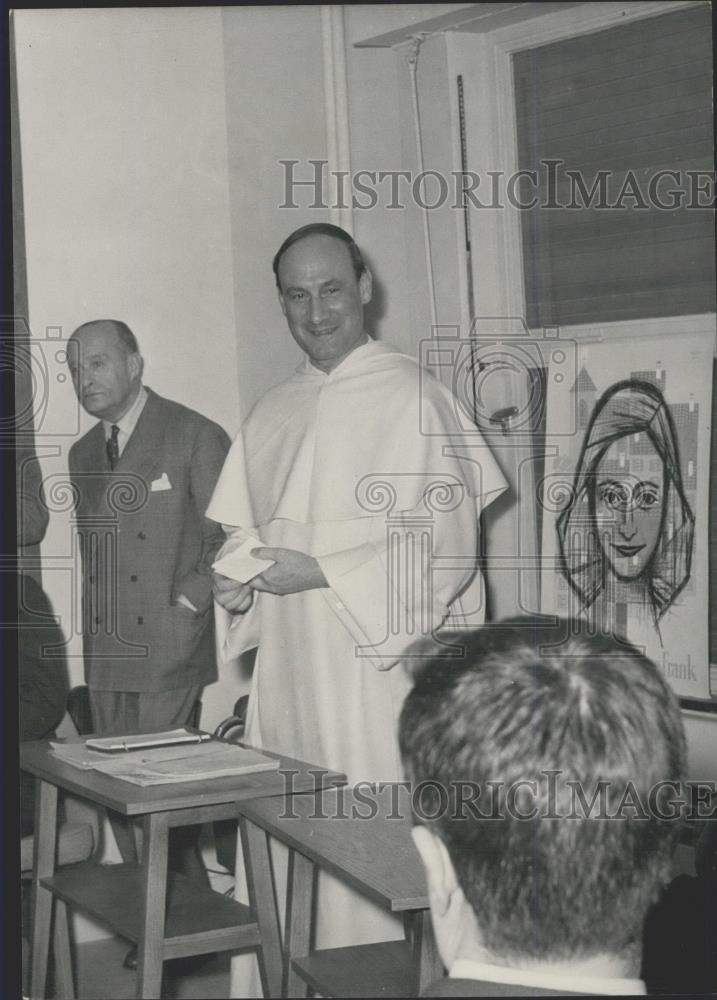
[(184, 741)]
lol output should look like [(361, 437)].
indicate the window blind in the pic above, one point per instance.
[(601, 120)]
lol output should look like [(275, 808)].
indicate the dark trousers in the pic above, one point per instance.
[(123, 713)]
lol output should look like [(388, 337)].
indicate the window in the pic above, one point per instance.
[(614, 109)]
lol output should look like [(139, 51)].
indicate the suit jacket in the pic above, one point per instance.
[(144, 541)]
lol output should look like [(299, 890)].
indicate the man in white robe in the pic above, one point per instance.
[(365, 489)]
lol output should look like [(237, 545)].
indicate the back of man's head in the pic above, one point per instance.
[(566, 736)]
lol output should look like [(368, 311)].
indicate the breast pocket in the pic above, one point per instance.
[(163, 504)]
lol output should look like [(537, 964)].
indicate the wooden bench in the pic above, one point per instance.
[(376, 856)]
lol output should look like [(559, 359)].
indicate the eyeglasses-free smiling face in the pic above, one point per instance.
[(323, 300), (629, 508)]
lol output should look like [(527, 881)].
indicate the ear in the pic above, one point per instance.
[(440, 874), (135, 365), (366, 286), (72, 357), (280, 296)]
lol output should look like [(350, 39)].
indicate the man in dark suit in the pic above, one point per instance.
[(546, 766), (142, 477)]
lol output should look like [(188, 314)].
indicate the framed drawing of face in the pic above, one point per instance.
[(622, 521)]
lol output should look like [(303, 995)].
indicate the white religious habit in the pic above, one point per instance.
[(375, 471)]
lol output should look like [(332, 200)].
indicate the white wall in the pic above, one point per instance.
[(275, 111), (125, 170), (380, 116)]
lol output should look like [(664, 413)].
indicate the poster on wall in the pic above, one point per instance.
[(625, 497)]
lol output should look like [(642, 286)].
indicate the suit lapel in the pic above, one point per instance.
[(142, 459), (144, 451)]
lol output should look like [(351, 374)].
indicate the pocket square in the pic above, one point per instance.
[(162, 483)]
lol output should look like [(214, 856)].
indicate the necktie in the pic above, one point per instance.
[(113, 446)]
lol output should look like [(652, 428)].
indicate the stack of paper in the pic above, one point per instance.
[(162, 765)]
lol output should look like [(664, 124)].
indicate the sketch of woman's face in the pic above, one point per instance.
[(629, 507)]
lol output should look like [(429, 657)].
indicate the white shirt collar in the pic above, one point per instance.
[(128, 422), (602, 985)]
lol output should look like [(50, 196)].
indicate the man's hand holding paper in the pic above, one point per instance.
[(289, 573), (234, 568), (232, 595), (236, 560), (244, 565)]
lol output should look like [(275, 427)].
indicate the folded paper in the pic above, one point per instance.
[(238, 563)]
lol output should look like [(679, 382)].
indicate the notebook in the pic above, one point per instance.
[(227, 760), (175, 762)]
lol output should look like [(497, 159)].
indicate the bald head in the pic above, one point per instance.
[(106, 367), (123, 333)]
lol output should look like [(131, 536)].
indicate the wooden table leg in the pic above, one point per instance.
[(262, 901), (65, 987), (43, 866), (299, 908), (150, 947), (426, 959), (124, 834)]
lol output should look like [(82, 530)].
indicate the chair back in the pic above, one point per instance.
[(78, 707), (232, 729), (225, 831)]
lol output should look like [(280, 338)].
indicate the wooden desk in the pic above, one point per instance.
[(376, 856), (166, 914)]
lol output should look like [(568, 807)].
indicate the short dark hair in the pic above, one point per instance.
[(524, 700), (321, 229), (124, 334)]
